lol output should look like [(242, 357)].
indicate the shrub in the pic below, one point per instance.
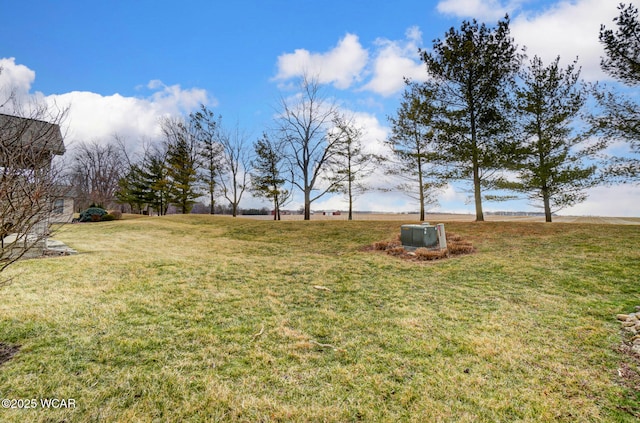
[(88, 214), (117, 214), (107, 217)]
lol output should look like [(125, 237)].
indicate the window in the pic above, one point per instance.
[(58, 206)]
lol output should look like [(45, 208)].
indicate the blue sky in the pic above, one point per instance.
[(123, 64)]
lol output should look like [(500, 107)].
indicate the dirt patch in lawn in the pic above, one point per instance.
[(7, 352)]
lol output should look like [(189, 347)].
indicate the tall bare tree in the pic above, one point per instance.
[(236, 166), (303, 123)]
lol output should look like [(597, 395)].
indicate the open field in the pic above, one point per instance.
[(443, 217), (205, 319)]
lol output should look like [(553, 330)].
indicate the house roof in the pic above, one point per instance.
[(31, 132)]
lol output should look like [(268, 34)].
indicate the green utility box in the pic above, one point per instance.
[(417, 236)]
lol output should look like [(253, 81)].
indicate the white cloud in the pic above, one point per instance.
[(374, 132), (569, 29), (478, 9), (16, 77), (341, 65), (94, 116), (349, 63), (394, 61)]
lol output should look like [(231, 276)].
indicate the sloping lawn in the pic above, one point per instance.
[(199, 318)]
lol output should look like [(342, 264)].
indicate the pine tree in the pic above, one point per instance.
[(352, 163), (267, 179), (413, 139), (210, 150), (181, 164), (620, 116), (622, 47), (550, 166), (473, 70)]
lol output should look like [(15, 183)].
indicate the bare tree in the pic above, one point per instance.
[(29, 140), (97, 168), (304, 124), (236, 166)]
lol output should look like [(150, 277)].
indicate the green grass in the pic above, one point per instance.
[(198, 318)]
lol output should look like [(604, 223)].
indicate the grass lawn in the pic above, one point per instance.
[(205, 319)]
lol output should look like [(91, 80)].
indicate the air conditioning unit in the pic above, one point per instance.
[(424, 235)]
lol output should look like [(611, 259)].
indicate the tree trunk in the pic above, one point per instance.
[(276, 209), (477, 193), (547, 205), (421, 187), (307, 205), (477, 187), (350, 200)]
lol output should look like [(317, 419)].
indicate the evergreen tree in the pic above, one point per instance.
[(622, 47), (132, 189), (473, 70), (155, 177), (181, 164), (413, 138), (211, 152), (620, 115), (146, 183), (266, 179), (353, 164), (550, 167)]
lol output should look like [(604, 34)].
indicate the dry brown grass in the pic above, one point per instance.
[(427, 254), (456, 246)]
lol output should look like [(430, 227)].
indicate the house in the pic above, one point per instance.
[(62, 204), (27, 149)]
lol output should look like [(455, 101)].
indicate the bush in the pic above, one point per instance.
[(117, 214), (107, 217), (88, 214)]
